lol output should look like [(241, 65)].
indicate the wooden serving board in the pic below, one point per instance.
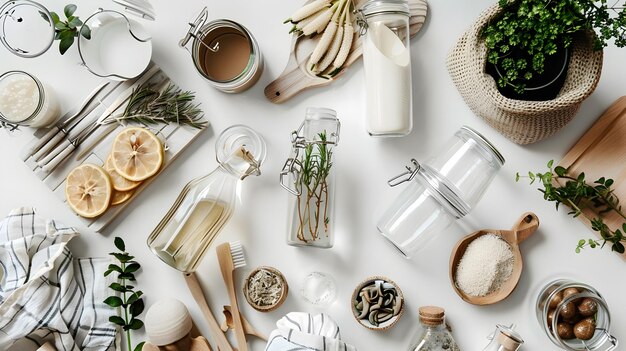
[(296, 78), (175, 137), (601, 152)]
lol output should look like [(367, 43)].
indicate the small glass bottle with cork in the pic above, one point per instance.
[(433, 334), (504, 339)]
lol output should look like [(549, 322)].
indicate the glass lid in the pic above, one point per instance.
[(241, 150), (26, 28)]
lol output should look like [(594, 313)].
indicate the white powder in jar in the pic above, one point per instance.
[(486, 264), (19, 98)]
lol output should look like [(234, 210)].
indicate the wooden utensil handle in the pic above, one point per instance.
[(526, 226)]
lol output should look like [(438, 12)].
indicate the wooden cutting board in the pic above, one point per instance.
[(601, 152), (296, 78)]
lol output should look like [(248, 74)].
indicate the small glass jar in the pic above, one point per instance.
[(441, 190), (309, 177), (206, 204), (225, 53), (553, 298), (433, 334), (387, 66), (25, 100), (504, 339)]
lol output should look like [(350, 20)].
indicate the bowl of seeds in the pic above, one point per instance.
[(265, 289), (377, 303)]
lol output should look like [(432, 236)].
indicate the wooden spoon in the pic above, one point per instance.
[(296, 77), (525, 226)]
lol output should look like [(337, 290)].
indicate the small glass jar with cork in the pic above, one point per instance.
[(433, 334)]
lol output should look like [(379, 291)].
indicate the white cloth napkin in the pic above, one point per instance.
[(45, 294), (303, 331)]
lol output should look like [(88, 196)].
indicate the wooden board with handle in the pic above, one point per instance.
[(601, 152), (297, 78)]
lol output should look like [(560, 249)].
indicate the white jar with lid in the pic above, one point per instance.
[(387, 64), (24, 100)]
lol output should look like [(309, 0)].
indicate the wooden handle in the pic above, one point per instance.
[(196, 291), (526, 226), (227, 267)]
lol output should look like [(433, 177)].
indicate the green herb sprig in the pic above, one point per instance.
[(9, 126), (131, 301), (577, 194), (66, 31), (313, 203), (150, 105), (539, 28)]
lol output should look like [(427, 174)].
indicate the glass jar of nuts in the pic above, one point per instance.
[(575, 316)]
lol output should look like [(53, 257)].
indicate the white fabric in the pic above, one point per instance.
[(45, 294), (303, 331)]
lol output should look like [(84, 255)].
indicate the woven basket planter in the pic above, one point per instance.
[(522, 122)]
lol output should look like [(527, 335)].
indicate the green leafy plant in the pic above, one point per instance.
[(312, 203), (149, 105), (529, 31), (66, 31), (130, 302), (578, 194)]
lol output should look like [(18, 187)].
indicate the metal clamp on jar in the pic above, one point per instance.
[(441, 190), (308, 175), (224, 52), (575, 316)]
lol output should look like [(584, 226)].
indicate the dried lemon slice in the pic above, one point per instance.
[(137, 154), (119, 197), (88, 190), (120, 183)]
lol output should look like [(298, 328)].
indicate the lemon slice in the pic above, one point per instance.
[(120, 183), (88, 190), (137, 154), (119, 197)]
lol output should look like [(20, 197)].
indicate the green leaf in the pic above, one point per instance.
[(119, 243), (60, 26), (618, 247), (114, 301), (134, 297), (560, 171), (122, 257), (136, 308), (69, 10), (65, 44), (55, 17), (133, 267), (117, 320), (139, 346), (550, 163), (118, 287), (127, 276), (517, 177), (135, 324), (74, 23), (581, 177), (85, 31)]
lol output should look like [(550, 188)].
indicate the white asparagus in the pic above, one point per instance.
[(309, 9), (330, 55), (301, 24), (320, 21), (346, 44)]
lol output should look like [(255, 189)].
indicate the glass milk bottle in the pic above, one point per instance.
[(433, 335), (24, 100), (387, 64), (206, 204), (308, 175)]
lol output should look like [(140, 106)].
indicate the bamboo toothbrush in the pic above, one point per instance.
[(230, 257), (216, 332)]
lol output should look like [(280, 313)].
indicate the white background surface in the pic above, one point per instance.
[(363, 167)]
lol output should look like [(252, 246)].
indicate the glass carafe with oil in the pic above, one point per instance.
[(206, 204)]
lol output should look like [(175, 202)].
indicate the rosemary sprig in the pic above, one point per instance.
[(313, 181), (150, 105), (577, 194), (131, 301), (9, 126)]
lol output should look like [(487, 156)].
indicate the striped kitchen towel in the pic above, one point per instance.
[(45, 293), (302, 332)]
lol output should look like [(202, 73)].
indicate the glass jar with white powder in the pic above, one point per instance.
[(25, 100), (387, 63)]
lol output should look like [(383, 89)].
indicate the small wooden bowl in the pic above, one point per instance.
[(283, 295), (364, 322), (524, 227)]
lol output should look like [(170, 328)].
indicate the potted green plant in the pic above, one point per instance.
[(528, 43), (526, 66)]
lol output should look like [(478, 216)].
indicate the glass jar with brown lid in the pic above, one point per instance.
[(433, 334)]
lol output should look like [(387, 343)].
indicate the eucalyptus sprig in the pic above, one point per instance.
[(66, 31), (150, 105), (577, 194), (131, 302)]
